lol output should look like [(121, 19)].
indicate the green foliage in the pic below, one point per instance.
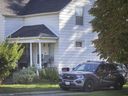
[(111, 23), (9, 55), (50, 74), (24, 76)]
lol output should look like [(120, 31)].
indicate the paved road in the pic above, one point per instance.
[(59, 94), (46, 93)]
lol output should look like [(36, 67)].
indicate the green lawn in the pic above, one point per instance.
[(45, 87), (123, 92), (27, 87)]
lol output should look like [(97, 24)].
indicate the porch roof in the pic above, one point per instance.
[(33, 31)]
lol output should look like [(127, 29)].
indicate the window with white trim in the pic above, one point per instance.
[(79, 15), (79, 44)]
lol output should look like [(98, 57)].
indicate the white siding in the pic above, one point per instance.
[(2, 27), (63, 25), (12, 24), (51, 21), (67, 55)]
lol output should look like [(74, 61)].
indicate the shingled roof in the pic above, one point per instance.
[(12, 7), (27, 7), (42, 6), (33, 31)]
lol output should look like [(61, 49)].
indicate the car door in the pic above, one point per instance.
[(104, 75)]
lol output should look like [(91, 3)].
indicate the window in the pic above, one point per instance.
[(79, 15), (86, 67), (78, 44)]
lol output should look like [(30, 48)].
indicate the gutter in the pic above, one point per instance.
[(32, 15), (28, 38)]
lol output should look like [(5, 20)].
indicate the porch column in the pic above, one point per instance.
[(31, 55), (40, 57)]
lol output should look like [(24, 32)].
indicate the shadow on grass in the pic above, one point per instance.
[(19, 90)]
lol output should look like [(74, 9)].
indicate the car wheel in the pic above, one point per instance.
[(89, 85), (118, 86)]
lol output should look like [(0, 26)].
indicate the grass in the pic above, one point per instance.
[(123, 92), (16, 88)]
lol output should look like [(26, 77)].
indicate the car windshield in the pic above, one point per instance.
[(86, 67)]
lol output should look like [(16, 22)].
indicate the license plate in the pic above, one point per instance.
[(67, 83)]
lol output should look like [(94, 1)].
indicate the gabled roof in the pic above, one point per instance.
[(27, 7), (33, 31)]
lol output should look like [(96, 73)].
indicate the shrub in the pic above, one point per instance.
[(50, 74), (24, 76), (9, 55)]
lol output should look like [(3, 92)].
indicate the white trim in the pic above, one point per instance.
[(31, 55), (32, 15), (33, 40), (40, 61), (27, 38)]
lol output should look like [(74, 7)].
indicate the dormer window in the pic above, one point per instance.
[(79, 15)]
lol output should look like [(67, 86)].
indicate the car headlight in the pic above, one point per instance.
[(80, 76)]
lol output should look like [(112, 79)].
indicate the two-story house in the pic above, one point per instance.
[(54, 32)]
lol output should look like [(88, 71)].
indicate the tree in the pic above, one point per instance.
[(111, 23), (9, 56)]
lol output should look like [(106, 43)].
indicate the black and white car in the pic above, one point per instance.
[(93, 75)]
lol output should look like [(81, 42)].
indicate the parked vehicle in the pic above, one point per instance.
[(93, 75)]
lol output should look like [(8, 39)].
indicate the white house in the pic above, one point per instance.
[(54, 32)]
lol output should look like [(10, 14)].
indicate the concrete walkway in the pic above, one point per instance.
[(46, 93)]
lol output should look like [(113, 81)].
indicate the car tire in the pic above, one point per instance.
[(118, 86), (89, 85)]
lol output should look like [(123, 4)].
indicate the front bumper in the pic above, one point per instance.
[(74, 84)]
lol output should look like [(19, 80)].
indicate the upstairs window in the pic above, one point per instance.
[(79, 15)]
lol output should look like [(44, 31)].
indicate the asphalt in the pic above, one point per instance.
[(46, 93)]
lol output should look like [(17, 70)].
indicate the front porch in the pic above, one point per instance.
[(39, 42), (37, 55)]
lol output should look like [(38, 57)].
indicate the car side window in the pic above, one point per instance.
[(101, 71), (111, 69), (111, 72)]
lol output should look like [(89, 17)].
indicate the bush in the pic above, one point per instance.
[(50, 74), (24, 76), (9, 55)]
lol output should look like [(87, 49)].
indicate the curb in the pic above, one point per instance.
[(31, 93)]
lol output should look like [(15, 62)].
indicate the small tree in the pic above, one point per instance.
[(9, 56)]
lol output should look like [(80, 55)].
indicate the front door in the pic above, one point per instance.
[(105, 75)]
